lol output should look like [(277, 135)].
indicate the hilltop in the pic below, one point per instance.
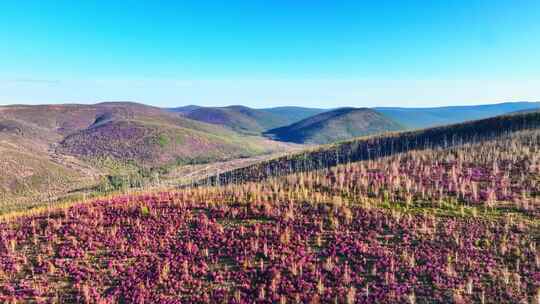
[(245, 119), (238, 118), (335, 125)]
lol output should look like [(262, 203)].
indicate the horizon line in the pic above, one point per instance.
[(78, 103)]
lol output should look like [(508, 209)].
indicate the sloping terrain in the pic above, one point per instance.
[(126, 131), (416, 118), (32, 172), (374, 147), (161, 138), (156, 144), (450, 225), (238, 118), (526, 111), (410, 118), (30, 178), (65, 147), (335, 125)]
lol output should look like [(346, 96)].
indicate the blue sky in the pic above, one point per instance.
[(270, 53)]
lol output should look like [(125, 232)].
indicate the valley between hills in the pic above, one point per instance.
[(54, 153)]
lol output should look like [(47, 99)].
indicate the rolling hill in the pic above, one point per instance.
[(247, 120), (157, 138), (50, 150), (335, 125), (417, 118), (66, 147), (410, 118), (453, 224), (379, 146), (126, 131), (238, 118)]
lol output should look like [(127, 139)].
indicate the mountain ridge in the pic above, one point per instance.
[(415, 117)]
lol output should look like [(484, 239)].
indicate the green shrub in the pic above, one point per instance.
[(162, 140), (117, 181)]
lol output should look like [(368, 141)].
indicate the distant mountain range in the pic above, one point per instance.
[(335, 125), (307, 125)]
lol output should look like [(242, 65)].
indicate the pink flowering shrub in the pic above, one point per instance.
[(180, 248), (457, 225)]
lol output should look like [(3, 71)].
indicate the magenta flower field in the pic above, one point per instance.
[(446, 226)]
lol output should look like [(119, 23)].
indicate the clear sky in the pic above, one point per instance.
[(270, 53)]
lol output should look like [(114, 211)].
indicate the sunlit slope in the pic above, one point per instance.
[(451, 225), (373, 147), (49, 150)]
